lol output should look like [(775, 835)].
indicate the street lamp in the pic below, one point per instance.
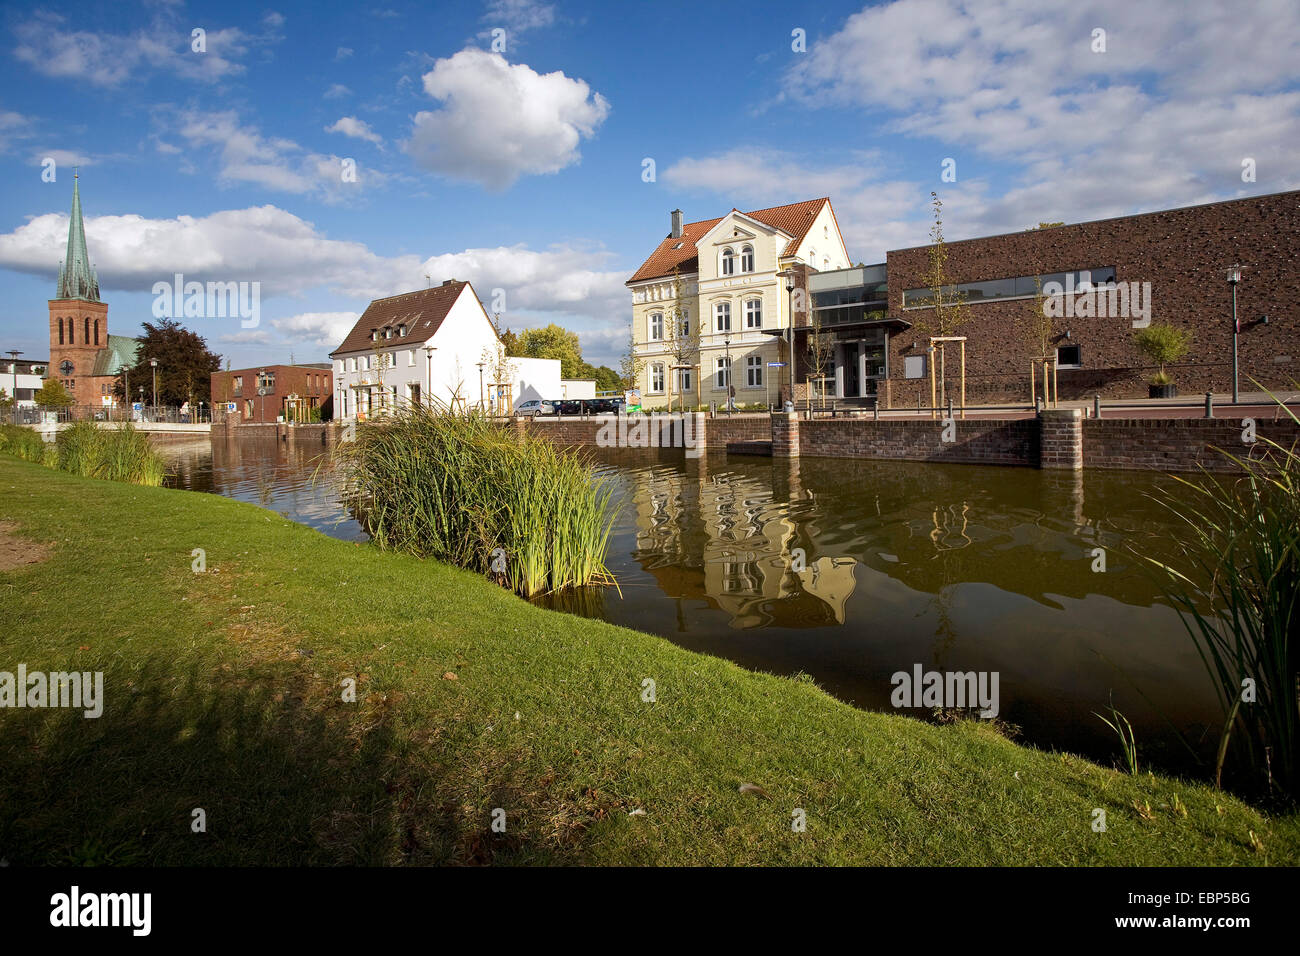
[(261, 395), (731, 387), (482, 398), (1234, 276), (428, 364), (13, 355), (153, 362), (789, 326)]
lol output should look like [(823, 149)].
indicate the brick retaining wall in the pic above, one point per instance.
[(1180, 444)]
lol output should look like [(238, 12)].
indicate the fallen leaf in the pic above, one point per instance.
[(450, 676), (755, 789)]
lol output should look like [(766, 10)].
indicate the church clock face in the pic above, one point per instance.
[(65, 367)]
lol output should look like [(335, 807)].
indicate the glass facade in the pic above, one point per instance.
[(849, 295), (1015, 287)]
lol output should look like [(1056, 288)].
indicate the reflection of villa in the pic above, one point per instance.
[(747, 538)]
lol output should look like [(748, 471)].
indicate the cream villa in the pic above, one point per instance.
[(732, 276)]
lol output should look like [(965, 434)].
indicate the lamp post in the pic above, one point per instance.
[(1234, 276), (13, 357), (789, 326), (153, 362), (482, 398), (428, 365), (261, 395), (731, 387)]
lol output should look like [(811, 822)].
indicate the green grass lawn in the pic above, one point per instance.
[(224, 692)]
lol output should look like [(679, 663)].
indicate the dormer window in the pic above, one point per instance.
[(678, 246), (374, 334), (747, 259), (728, 261), (401, 331)]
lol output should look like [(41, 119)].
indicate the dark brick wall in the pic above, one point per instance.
[(983, 442), (313, 384), (1180, 444), (721, 431), (1183, 253)]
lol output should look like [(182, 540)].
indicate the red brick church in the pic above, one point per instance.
[(83, 356)]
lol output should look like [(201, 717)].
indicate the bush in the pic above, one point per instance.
[(27, 444), (463, 489), (113, 454), (1162, 344)]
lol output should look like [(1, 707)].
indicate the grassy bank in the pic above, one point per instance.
[(223, 693), (83, 448)]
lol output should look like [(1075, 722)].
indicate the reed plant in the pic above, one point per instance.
[(27, 444), (113, 454), (1238, 593), (461, 488)]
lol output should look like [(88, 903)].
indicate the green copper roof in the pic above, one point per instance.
[(119, 353), (77, 280)]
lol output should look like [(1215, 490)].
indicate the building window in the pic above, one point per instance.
[(722, 377), (410, 358), (722, 316), (338, 367), (266, 380), (754, 314), (657, 377), (60, 331), (656, 326), (1069, 356), (85, 334), (97, 331), (374, 335), (352, 364), (401, 330), (747, 259), (728, 261), (239, 384), (754, 371), (686, 322), (684, 381)]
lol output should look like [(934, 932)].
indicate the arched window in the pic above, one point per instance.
[(657, 377), (656, 326), (60, 330), (753, 313), (72, 332), (97, 331), (728, 261), (85, 334), (747, 259)]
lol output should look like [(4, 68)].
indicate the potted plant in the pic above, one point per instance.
[(1162, 344)]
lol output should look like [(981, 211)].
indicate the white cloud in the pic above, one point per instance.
[(336, 91), (62, 157), (518, 16), (355, 128), (289, 256), (107, 59), (323, 329), (342, 53), (274, 163), (500, 121)]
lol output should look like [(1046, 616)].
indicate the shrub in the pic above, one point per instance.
[(458, 487), (1162, 344)]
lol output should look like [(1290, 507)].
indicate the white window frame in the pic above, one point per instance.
[(657, 378), (721, 372), (747, 258), (754, 371), (656, 326), (683, 381), (727, 266), (721, 309), (753, 310), (410, 358)]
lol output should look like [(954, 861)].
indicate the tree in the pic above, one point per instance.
[(681, 336), (553, 342), (821, 346), (511, 343), (948, 310), (630, 366), (1162, 344), (184, 363), (500, 370), (52, 394)]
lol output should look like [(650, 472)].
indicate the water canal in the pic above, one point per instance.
[(952, 567)]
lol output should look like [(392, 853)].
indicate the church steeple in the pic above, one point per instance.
[(77, 280)]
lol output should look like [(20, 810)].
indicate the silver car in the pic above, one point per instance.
[(534, 407)]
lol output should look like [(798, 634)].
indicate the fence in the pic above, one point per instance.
[(48, 415)]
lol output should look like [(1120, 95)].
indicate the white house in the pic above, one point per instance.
[(435, 344), (22, 379)]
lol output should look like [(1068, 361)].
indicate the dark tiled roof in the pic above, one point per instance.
[(795, 219), (421, 312)]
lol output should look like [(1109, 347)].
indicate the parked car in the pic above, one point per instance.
[(568, 406), (534, 406)]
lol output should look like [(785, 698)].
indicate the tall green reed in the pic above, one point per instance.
[(459, 487)]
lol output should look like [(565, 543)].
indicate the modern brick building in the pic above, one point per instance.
[(301, 392), (879, 324), (83, 356)]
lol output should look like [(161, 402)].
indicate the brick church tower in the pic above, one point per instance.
[(82, 356)]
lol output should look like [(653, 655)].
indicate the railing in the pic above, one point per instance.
[(48, 415)]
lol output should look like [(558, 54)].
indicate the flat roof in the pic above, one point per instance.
[(1085, 222)]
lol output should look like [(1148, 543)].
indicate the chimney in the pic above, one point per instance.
[(677, 223), (449, 281)]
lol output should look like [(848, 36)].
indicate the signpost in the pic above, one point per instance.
[(768, 383)]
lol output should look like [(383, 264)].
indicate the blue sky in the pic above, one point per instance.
[(522, 170)]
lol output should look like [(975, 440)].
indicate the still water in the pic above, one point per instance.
[(952, 567)]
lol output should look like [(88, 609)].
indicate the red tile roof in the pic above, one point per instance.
[(795, 219), (421, 312)]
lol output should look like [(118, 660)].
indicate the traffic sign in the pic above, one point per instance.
[(776, 365)]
